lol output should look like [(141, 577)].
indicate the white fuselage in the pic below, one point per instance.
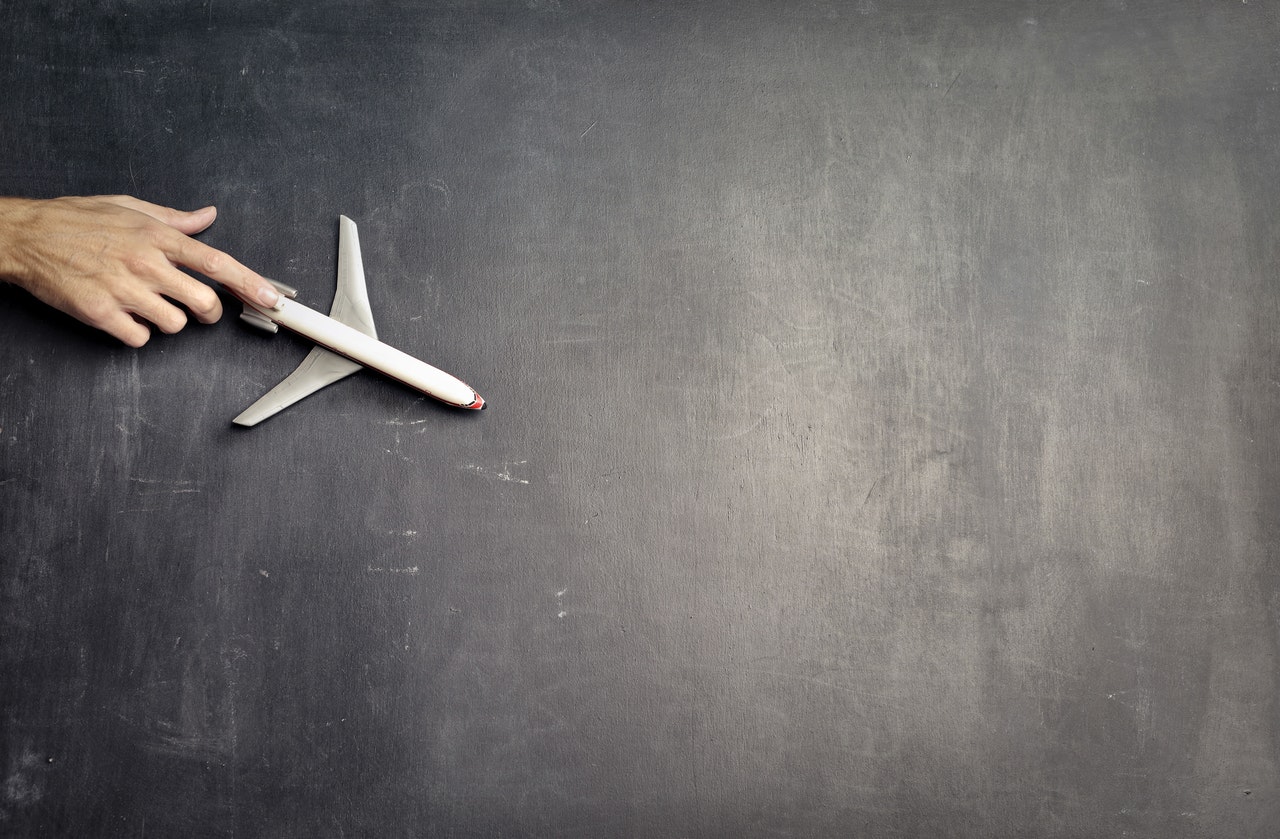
[(370, 352)]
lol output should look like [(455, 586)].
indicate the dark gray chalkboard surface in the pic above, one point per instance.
[(883, 428)]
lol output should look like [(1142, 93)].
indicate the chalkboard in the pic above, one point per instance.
[(882, 429)]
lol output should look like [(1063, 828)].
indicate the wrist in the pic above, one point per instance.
[(16, 216)]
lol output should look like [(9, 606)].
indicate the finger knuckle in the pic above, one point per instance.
[(204, 301), (97, 312), (137, 264), (171, 322), (212, 262), (158, 237)]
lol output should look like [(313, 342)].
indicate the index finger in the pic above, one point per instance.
[(216, 265)]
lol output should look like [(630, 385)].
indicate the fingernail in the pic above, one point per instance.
[(269, 297)]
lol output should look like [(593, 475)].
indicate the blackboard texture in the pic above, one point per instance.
[(883, 429)]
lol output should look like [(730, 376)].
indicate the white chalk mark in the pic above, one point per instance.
[(505, 474), (584, 339), (443, 188), (166, 486), (953, 84)]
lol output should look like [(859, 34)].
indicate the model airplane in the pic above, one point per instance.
[(346, 342)]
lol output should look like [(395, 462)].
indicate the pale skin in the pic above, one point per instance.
[(113, 262)]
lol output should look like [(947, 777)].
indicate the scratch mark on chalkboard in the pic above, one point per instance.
[(403, 457), (208, 747), (168, 487), (504, 475), (588, 131), (742, 432), (563, 613), (1038, 665), (953, 84), (441, 187), (799, 678), (583, 339)]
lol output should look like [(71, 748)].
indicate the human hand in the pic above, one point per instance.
[(112, 262)]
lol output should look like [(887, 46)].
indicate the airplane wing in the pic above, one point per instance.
[(322, 367)]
